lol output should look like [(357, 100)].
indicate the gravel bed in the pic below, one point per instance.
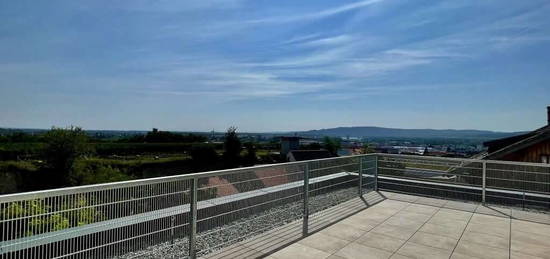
[(242, 229)]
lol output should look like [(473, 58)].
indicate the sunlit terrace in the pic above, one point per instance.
[(368, 206), (391, 225)]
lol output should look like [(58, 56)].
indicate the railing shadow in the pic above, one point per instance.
[(267, 243)]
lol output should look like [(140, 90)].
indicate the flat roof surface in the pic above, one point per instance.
[(391, 225)]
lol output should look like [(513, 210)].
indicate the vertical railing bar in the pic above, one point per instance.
[(306, 201), (193, 218), (360, 189), (375, 173), (484, 182)]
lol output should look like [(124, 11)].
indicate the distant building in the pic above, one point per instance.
[(302, 155), (288, 144), (530, 147), (430, 151), (406, 150), (387, 149)]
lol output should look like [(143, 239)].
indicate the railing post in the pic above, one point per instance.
[(484, 182), (360, 189), (172, 231), (523, 202), (306, 201), (375, 173), (193, 218)]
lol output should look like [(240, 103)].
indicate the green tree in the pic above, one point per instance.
[(93, 173), (312, 146), (203, 156), (332, 145), (232, 148), (63, 147), (251, 158)]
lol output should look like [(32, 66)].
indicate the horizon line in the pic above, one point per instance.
[(263, 132)]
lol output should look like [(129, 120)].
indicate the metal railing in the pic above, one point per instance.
[(195, 214), (177, 216), (516, 184)]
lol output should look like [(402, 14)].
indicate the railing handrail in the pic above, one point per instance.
[(466, 159), (130, 183), (19, 241)]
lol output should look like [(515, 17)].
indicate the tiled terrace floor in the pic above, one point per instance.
[(389, 225)]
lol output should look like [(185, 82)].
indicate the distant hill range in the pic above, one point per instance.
[(379, 132), (369, 132)]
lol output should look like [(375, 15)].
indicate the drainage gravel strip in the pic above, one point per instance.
[(242, 229)]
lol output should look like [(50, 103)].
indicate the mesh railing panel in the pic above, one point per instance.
[(153, 218), (247, 203), (104, 223), (518, 185), (431, 176)]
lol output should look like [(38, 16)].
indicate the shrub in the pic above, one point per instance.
[(42, 218)]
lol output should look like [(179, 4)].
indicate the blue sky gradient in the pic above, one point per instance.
[(275, 65)]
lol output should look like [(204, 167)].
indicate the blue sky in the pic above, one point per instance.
[(275, 65)]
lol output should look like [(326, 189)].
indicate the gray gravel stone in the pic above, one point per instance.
[(242, 229)]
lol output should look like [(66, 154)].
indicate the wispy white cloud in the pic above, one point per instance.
[(330, 41), (385, 90), (301, 38), (210, 52), (166, 6), (316, 15)]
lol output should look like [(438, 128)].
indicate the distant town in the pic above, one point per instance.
[(34, 159)]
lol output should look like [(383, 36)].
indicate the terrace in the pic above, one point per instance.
[(368, 206)]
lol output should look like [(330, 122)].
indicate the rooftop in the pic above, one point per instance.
[(364, 206), (392, 225)]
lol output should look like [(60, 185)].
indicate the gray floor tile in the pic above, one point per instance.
[(454, 214), (456, 255), (452, 231), (414, 216), (300, 251), (491, 220), (358, 251), (486, 239), (494, 211), (530, 244), (380, 241), (531, 227), (480, 251), (420, 208), (403, 222), (462, 206), (394, 231), (488, 229), (362, 223), (443, 220), (324, 242), (431, 201), (344, 231), (516, 255), (433, 240), (531, 216), (413, 250), (398, 256)]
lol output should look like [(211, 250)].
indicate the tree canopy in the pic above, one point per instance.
[(332, 145), (63, 147), (232, 147)]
